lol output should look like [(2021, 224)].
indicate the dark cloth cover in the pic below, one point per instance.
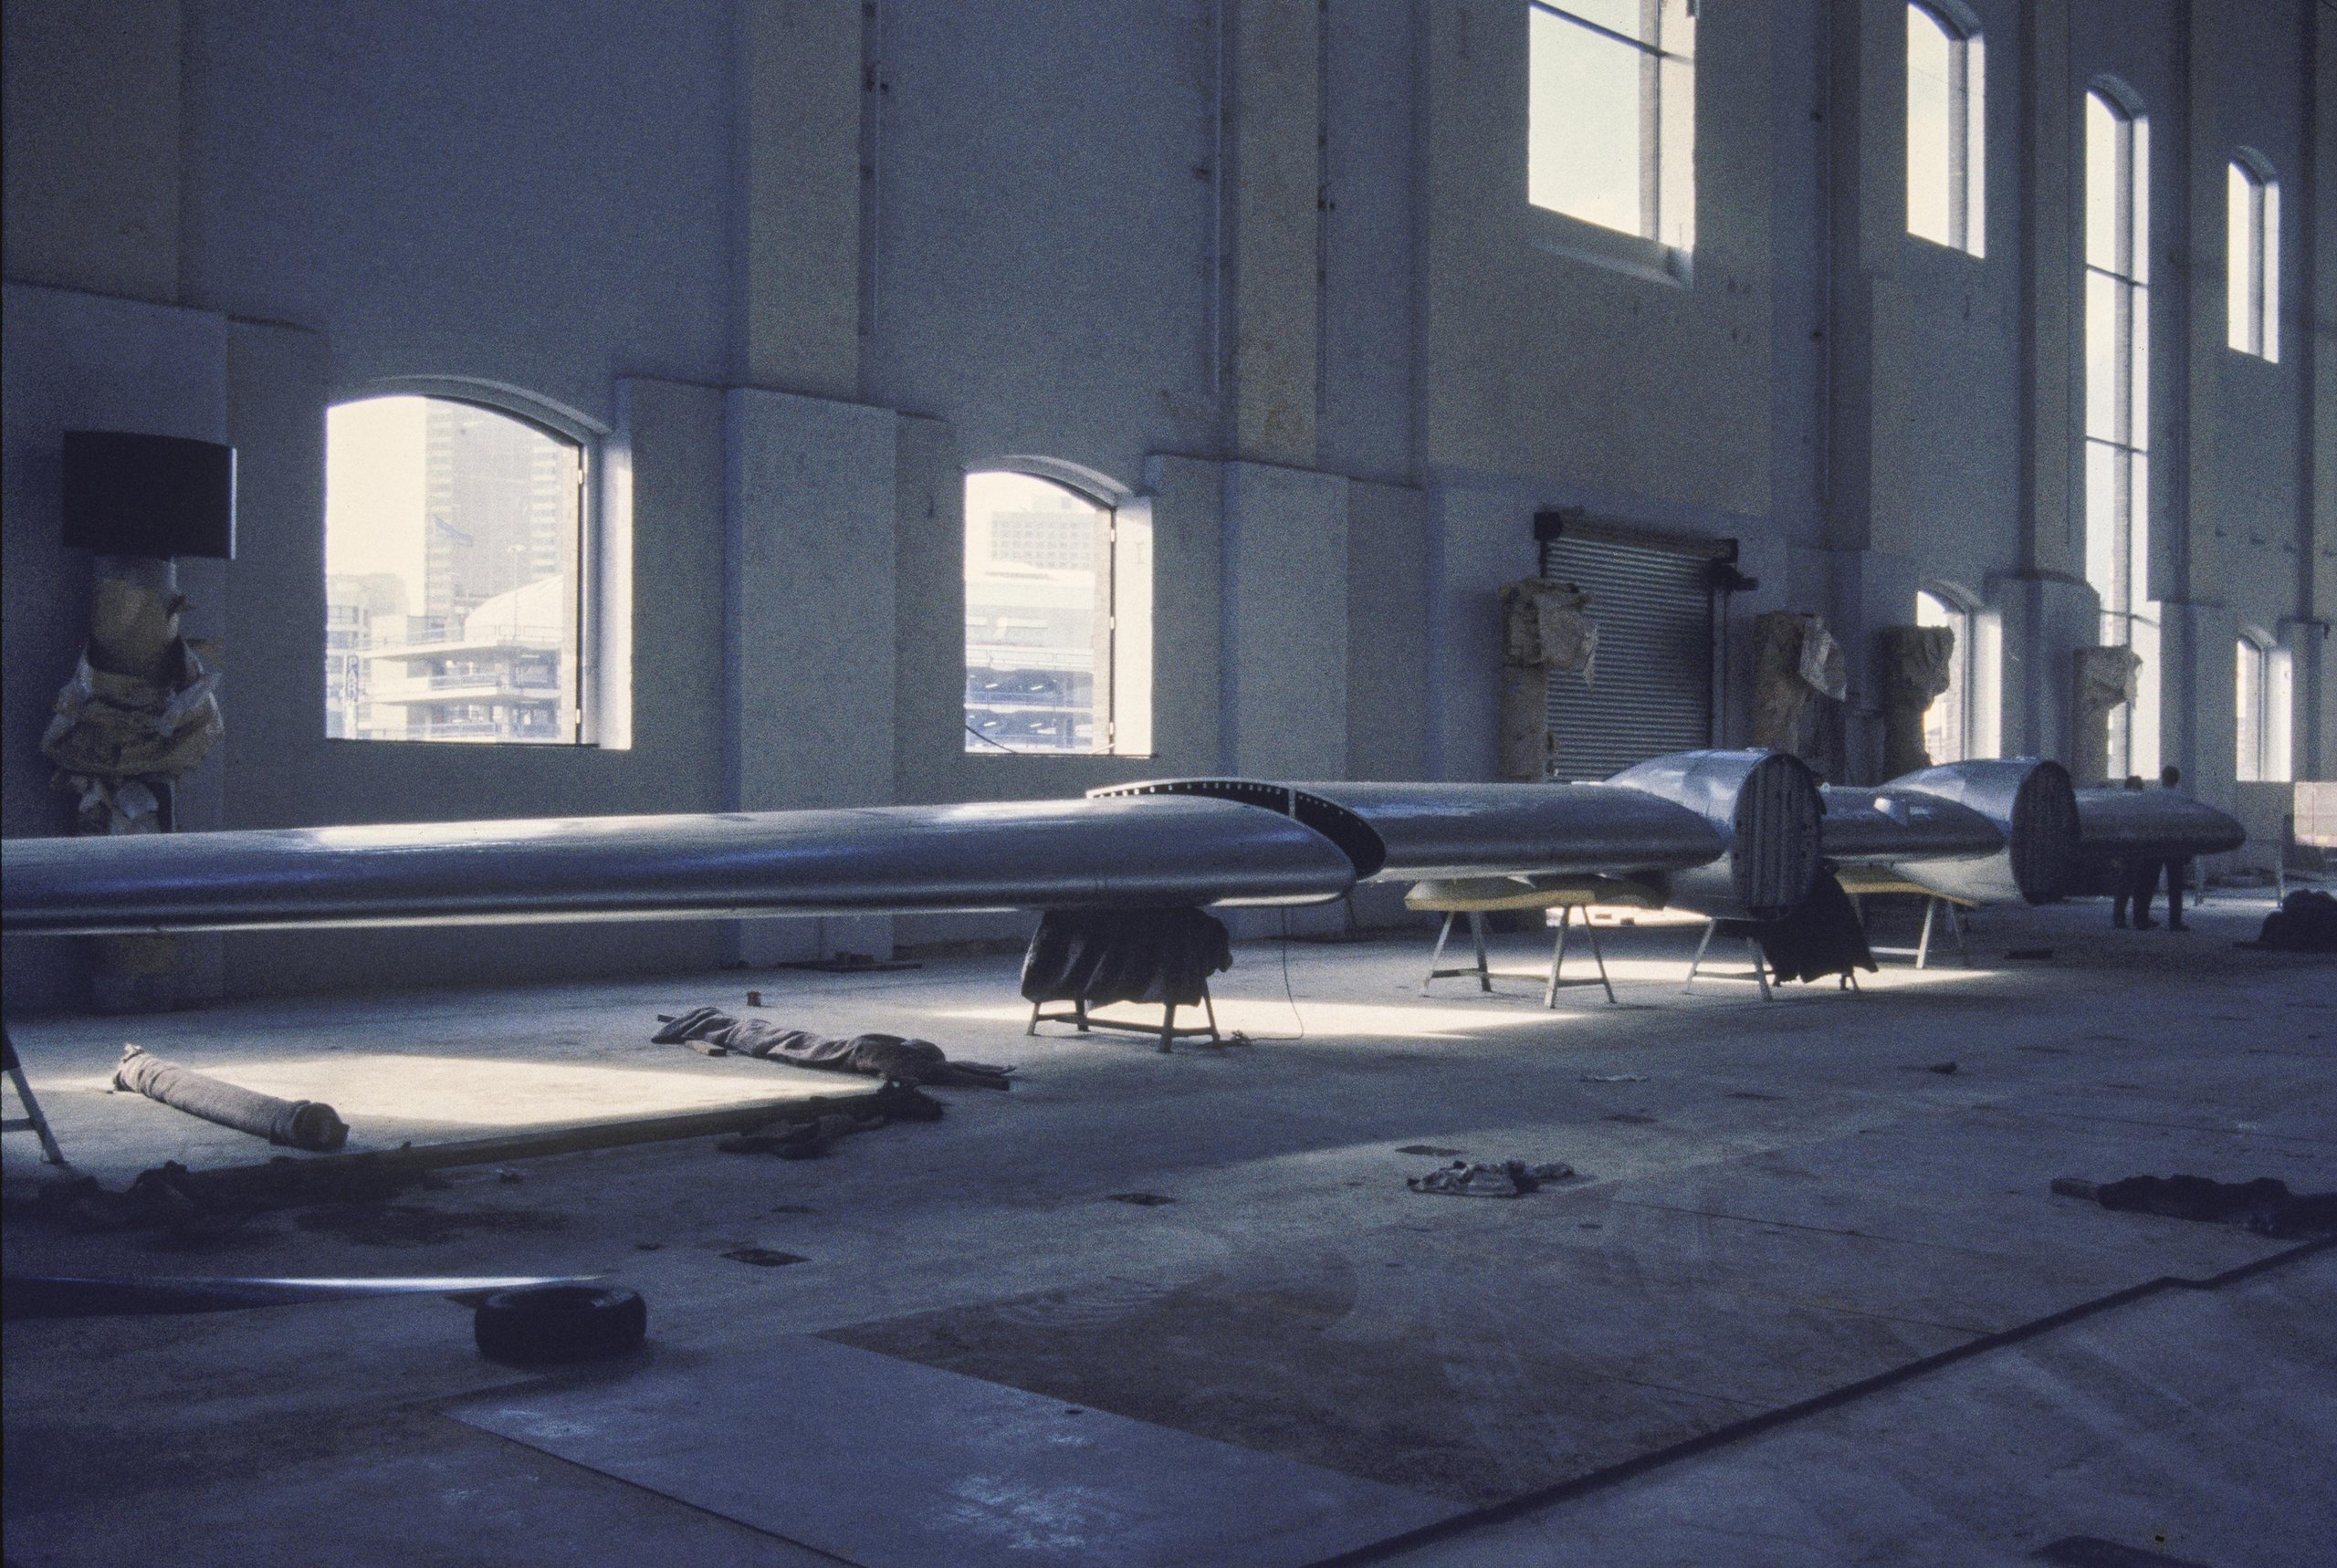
[(2306, 922), (1096, 957), (1822, 938), (910, 1062)]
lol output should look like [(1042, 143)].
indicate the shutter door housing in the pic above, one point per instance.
[(1653, 678)]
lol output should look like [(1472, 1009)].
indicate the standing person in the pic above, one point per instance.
[(2178, 870), (2128, 874)]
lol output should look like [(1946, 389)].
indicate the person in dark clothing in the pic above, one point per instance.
[(2127, 872), (2177, 873)]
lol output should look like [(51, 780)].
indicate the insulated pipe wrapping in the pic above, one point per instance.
[(308, 1124)]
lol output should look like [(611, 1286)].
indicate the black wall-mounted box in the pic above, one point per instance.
[(148, 495)]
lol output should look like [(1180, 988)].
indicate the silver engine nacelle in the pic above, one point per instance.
[(2030, 802), (1768, 811)]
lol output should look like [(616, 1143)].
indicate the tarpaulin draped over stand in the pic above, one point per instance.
[(1820, 939), (1096, 957)]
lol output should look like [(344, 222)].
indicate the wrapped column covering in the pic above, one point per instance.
[(1916, 661), (1795, 660), (2105, 683), (308, 1124), (1546, 632)]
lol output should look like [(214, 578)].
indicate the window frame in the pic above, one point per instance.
[(1662, 249), (1123, 687), (588, 725), (2264, 709), (1966, 136), (2252, 310), (2128, 616)]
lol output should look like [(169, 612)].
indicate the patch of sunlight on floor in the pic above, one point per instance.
[(1263, 1016), (472, 1091)]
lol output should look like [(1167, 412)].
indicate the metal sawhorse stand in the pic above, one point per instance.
[(31, 1120), (1167, 1031), (1922, 951), (1760, 974), (1557, 954)]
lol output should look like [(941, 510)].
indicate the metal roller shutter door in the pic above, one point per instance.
[(1652, 691)]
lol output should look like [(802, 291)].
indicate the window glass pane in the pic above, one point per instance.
[(2100, 183), (1975, 145), (2138, 199), (1944, 725), (2101, 515), (1622, 16), (452, 535), (2280, 711), (2248, 704), (1585, 151), (1930, 114), (2143, 739), (2101, 356), (2138, 367), (2268, 259), (1037, 634), (2238, 257), (2136, 576)]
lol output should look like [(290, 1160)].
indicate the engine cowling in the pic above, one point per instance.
[(1768, 811)]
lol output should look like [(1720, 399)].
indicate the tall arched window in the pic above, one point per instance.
[(2252, 257), (453, 537), (2117, 411), (1058, 619), (1947, 723), (1946, 103)]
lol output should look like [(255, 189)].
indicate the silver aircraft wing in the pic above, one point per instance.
[(1043, 854)]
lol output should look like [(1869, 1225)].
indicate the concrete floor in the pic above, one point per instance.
[(1788, 1315)]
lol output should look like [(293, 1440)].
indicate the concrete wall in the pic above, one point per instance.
[(1259, 269)]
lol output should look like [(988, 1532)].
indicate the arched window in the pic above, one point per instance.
[(2265, 699), (1947, 723), (2252, 257), (1058, 619), (2117, 410), (453, 537), (1946, 100)]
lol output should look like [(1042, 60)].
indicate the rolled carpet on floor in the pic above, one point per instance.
[(296, 1123)]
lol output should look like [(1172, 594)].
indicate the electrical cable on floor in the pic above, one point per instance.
[(1240, 1037)]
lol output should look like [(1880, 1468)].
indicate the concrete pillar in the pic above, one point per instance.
[(1273, 264), (810, 626), (798, 166), (2316, 661), (1286, 605)]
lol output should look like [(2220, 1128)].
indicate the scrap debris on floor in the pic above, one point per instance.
[(2264, 1206), (1507, 1178), (915, 1062)]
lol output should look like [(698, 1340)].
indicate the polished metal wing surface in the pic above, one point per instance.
[(1043, 854)]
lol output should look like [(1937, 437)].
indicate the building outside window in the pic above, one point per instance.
[(2252, 258), (2266, 701), (1947, 99), (2117, 412), (1947, 723), (1058, 619), (1610, 115), (453, 538)]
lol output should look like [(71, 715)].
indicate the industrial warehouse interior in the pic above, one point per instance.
[(1169, 783)]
